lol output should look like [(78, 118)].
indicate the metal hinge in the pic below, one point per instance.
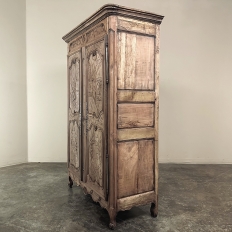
[(107, 60)]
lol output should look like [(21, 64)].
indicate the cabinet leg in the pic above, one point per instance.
[(154, 209), (70, 183), (112, 215)]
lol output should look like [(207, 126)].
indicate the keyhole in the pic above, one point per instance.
[(95, 128)]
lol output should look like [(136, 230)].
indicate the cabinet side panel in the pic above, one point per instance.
[(127, 168), (146, 166), (135, 61)]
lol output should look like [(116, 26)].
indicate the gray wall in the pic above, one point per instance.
[(195, 77), (13, 99)]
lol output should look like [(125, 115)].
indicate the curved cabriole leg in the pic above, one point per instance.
[(112, 215), (70, 184)]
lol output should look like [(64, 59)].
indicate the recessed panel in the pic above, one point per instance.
[(135, 115), (135, 61)]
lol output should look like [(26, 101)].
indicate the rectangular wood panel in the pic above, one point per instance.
[(136, 26), (146, 166), (127, 168), (136, 96), (135, 115), (135, 61), (136, 133)]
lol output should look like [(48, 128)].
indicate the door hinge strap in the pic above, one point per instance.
[(107, 60)]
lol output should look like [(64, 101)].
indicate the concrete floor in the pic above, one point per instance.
[(35, 197)]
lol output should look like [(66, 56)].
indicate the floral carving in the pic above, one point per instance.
[(88, 36), (74, 109), (74, 144), (95, 123)]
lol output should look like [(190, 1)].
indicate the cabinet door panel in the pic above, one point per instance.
[(74, 117), (96, 117)]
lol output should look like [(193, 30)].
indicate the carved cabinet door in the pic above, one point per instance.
[(96, 118), (74, 113)]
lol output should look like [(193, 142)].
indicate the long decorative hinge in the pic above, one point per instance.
[(107, 60)]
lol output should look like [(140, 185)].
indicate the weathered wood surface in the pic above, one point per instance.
[(135, 115), (112, 122), (135, 133), (133, 105), (135, 167), (146, 166), (113, 10), (127, 24), (127, 168), (157, 61), (135, 61), (136, 96), (74, 116), (93, 34), (136, 200), (95, 59)]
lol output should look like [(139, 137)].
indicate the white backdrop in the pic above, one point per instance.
[(13, 99), (195, 77)]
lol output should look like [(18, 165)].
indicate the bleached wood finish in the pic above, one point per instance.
[(136, 133), (132, 25), (135, 115), (135, 61), (113, 106), (136, 200), (127, 168), (145, 166), (136, 96)]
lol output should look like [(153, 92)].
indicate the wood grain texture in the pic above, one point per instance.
[(113, 10), (133, 25), (74, 116), (136, 96), (95, 59), (157, 64), (135, 61), (136, 133), (93, 34), (112, 122), (115, 118), (127, 168), (135, 115), (139, 199), (156, 173), (145, 166)]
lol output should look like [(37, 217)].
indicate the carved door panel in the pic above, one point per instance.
[(96, 111), (74, 117)]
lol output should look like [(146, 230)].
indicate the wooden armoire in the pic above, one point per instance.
[(113, 107)]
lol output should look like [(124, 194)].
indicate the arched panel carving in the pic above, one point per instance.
[(95, 111), (74, 65)]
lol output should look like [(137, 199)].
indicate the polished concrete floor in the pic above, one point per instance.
[(35, 197)]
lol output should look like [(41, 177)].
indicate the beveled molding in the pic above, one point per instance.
[(112, 9)]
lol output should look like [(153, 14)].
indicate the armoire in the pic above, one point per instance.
[(113, 107)]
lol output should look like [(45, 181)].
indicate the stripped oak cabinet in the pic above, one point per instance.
[(113, 106)]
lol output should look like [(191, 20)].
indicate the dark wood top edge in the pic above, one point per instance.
[(113, 9)]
